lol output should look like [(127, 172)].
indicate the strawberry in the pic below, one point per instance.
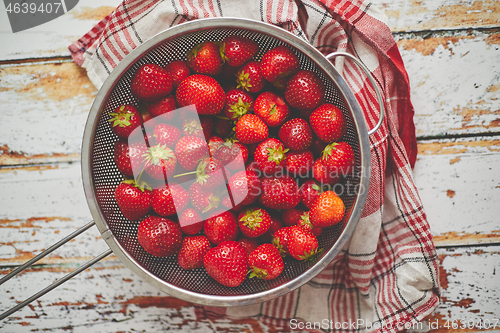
[(202, 91), (279, 192), (248, 243), (192, 251), (227, 263), (233, 155), (189, 150), (244, 188), (169, 200), (222, 227), (166, 134), (122, 155), (205, 58), (210, 173), (302, 244), (276, 223), (280, 240), (323, 175), (254, 221), (271, 156), (310, 190), (305, 222), (201, 126), (271, 108), (207, 203), (328, 123), (278, 63), (190, 221), (163, 107), (291, 216), (237, 50), (299, 164), (296, 134), (328, 210), (178, 70), (124, 119), (159, 236), (265, 262), (151, 82), (134, 200), (304, 90), (159, 162), (249, 77), (339, 158), (238, 103), (251, 129)]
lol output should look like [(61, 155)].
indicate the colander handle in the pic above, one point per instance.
[(58, 282), (372, 81)]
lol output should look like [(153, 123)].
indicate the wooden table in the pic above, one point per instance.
[(451, 52)]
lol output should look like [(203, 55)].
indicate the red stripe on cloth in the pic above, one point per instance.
[(79, 47)]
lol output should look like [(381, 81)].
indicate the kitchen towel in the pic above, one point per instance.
[(386, 278)]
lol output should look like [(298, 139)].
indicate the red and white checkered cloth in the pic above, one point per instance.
[(386, 278)]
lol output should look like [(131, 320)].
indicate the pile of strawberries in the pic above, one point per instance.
[(227, 160)]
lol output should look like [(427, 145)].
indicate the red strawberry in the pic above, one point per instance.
[(305, 222), (210, 174), (339, 158), (249, 77), (134, 200), (189, 150), (291, 216), (300, 164), (251, 129), (271, 108), (207, 203), (214, 143), (254, 221), (159, 236), (305, 90), (279, 192), (323, 175), (310, 190), (248, 243), (244, 188), (296, 134), (278, 63), (238, 103), (192, 251), (163, 107), (122, 155), (265, 262), (169, 200), (151, 82), (328, 210), (222, 227), (124, 119), (178, 70), (271, 156), (202, 91), (190, 221), (280, 240), (328, 123), (201, 126), (276, 224), (205, 58), (233, 155), (159, 162), (302, 244), (227, 263), (237, 50), (166, 134)]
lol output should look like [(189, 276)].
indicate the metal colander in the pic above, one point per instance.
[(101, 176)]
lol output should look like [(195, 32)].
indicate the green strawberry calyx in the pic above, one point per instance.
[(279, 246), (327, 152), (213, 202), (276, 154), (239, 108), (243, 80), (311, 255), (157, 153), (192, 126), (252, 218), (257, 272), (121, 118), (140, 184)]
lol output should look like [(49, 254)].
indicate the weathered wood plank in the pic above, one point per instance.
[(459, 186), (404, 15), (109, 297), (52, 38), (454, 82)]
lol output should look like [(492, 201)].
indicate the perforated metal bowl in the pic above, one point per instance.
[(100, 175)]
